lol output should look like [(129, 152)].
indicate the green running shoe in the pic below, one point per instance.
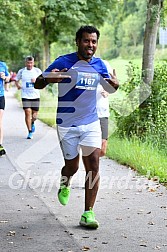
[(64, 194), (2, 150), (88, 220)]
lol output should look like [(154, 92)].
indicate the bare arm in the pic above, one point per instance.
[(40, 82), (5, 78), (17, 85), (53, 77)]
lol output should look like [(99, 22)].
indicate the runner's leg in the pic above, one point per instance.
[(91, 163), (34, 116), (69, 169), (35, 109), (28, 116), (1, 128)]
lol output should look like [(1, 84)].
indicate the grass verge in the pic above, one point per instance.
[(140, 156), (48, 105)]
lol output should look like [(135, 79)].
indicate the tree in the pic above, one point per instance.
[(131, 30), (106, 46), (154, 8), (127, 19), (18, 37), (64, 17), (31, 26)]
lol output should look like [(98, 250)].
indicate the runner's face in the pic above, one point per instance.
[(29, 64), (87, 46)]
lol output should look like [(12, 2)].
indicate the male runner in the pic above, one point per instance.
[(4, 78), (30, 95), (78, 125)]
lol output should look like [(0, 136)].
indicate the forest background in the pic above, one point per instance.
[(46, 29)]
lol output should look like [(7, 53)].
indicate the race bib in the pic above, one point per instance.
[(29, 84), (87, 81)]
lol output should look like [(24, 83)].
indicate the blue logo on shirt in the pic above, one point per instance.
[(29, 84)]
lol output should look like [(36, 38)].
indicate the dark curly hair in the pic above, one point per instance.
[(88, 29)]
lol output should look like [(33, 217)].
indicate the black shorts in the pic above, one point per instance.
[(104, 127), (31, 103), (2, 102)]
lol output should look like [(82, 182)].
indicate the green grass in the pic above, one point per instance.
[(18, 95), (121, 66), (48, 105), (140, 156)]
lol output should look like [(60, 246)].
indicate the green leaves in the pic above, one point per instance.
[(150, 121), (38, 23)]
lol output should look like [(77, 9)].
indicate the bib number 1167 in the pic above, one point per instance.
[(87, 81)]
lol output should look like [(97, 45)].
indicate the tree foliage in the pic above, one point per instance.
[(126, 24), (32, 26), (35, 24), (17, 33), (64, 17)]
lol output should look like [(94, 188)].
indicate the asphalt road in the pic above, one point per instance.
[(131, 210)]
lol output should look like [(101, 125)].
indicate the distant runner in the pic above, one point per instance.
[(30, 95), (4, 78)]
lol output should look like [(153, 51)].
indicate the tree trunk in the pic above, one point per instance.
[(46, 46), (46, 58), (150, 37)]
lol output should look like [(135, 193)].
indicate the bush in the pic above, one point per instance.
[(161, 54), (147, 122), (110, 54)]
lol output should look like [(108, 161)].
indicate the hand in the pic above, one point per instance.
[(104, 94), (2, 75), (33, 80), (56, 75), (113, 81), (17, 85)]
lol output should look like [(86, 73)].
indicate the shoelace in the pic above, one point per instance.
[(91, 215)]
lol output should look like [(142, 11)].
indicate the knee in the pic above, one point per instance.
[(74, 169), (70, 169), (34, 115), (27, 112), (94, 161)]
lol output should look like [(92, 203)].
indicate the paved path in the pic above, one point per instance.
[(132, 210)]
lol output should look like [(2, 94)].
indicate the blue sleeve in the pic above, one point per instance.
[(6, 70), (105, 73), (58, 63)]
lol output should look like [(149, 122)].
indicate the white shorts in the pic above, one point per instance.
[(72, 138)]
